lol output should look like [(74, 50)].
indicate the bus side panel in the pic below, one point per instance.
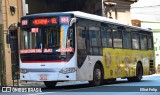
[(85, 72), (122, 62), (117, 63)]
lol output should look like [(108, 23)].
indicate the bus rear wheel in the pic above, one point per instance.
[(50, 84), (139, 74), (97, 76)]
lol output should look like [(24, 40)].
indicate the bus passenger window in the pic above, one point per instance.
[(106, 35), (135, 41), (150, 44), (117, 36), (81, 38), (143, 42), (126, 39), (94, 38)]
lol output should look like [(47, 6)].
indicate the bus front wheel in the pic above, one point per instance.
[(50, 84), (97, 76)]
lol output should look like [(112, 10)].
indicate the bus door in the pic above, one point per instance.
[(81, 45)]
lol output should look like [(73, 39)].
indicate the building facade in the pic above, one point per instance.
[(118, 9), (115, 9), (12, 10), (10, 15), (149, 19)]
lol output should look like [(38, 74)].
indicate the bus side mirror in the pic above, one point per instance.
[(8, 38), (72, 21)]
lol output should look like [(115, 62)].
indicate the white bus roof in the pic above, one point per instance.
[(101, 19), (91, 17)]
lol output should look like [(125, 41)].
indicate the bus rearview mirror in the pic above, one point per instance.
[(72, 21)]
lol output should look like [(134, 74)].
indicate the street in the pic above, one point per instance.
[(148, 86)]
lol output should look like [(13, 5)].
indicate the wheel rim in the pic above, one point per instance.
[(98, 74)]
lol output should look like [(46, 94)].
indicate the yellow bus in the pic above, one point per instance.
[(77, 46)]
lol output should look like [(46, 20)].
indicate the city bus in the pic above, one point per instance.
[(77, 46)]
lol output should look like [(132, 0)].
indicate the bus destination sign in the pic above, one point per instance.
[(44, 21)]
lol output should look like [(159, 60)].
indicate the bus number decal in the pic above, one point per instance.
[(40, 21), (24, 22), (34, 30), (64, 19)]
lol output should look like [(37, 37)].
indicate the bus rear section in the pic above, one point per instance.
[(47, 49)]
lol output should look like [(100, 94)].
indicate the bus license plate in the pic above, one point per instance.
[(43, 77)]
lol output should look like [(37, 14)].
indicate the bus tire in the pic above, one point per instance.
[(97, 75), (50, 84), (139, 74)]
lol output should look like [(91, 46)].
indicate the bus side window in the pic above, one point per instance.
[(126, 39), (81, 33), (143, 42), (94, 38), (135, 41), (150, 42), (117, 38), (106, 36)]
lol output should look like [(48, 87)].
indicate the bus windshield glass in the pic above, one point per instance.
[(47, 38), (46, 43)]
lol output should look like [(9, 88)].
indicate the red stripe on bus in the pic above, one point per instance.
[(47, 61)]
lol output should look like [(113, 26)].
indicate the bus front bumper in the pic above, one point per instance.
[(47, 76)]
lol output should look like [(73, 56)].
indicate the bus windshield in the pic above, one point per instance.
[(48, 37), (46, 43)]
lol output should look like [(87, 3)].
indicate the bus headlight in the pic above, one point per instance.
[(23, 71), (67, 70)]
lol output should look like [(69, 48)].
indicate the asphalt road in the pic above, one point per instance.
[(150, 85)]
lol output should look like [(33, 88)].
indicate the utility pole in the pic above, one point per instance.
[(2, 59), (2, 63)]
